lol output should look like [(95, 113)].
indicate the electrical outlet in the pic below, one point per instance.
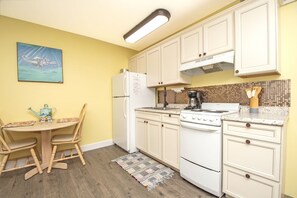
[(284, 2)]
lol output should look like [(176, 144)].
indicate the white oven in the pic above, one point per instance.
[(200, 156), (201, 146)]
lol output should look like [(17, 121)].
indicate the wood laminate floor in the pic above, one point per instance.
[(98, 178)]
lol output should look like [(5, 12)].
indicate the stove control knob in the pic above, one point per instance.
[(211, 120), (184, 117), (199, 118), (194, 117)]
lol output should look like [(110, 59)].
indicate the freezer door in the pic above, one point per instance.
[(120, 85), (120, 122)]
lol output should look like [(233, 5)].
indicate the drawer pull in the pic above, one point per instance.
[(247, 176), (248, 125), (247, 141)]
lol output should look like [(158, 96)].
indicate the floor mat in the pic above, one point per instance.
[(145, 170)]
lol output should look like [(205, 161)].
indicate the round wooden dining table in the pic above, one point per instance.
[(45, 128)]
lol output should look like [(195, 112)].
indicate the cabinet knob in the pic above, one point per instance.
[(237, 71), (162, 125), (144, 121), (247, 141), (247, 176), (169, 115), (204, 53), (161, 82), (248, 125), (200, 55)]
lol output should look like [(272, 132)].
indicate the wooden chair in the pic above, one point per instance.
[(6, 148), (73, 138)]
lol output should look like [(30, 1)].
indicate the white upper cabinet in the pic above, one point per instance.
[(213, 37), (256, 38), (132, 64), (170, 61), (153, 60), (138, 63), (163, 65), (141, 63), (191, 45), (218, 35)]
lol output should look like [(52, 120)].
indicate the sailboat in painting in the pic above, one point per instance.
[(39, 64)]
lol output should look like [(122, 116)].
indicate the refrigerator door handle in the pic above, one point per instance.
[(125, 109), (125, 85)]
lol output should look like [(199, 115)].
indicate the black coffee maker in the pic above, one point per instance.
[(195, 99)]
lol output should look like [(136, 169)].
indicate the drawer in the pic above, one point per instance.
[(170, 118), (148, 116), (238, 183), (257, 157), (255, 131)]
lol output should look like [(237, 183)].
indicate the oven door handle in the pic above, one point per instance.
[(199, 127)]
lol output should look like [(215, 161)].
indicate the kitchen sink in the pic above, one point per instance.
[(160, 108)]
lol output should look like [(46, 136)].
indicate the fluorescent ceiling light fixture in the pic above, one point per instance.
[(146, 26)]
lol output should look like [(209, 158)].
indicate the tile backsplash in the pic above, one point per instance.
[(273, 93)]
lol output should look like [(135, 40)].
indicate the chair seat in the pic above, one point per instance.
[(21, 143), (65, 138)]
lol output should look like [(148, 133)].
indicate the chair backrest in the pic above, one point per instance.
[(3, 143), (78, 127)]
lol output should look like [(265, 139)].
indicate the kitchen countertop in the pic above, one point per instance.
[(268, 116), (167, 111), (173, 109)]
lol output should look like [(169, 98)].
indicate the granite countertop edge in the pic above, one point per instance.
[(275, 118)]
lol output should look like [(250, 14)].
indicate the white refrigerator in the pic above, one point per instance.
[(129, 91)]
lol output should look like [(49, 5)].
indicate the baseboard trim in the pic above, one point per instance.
[(97, 145)]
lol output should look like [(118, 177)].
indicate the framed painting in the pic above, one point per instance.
[(39, 64)]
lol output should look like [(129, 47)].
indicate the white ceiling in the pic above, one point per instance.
[(109, 20)]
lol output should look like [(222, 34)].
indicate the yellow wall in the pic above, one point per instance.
[(88, 66), (288, 56)]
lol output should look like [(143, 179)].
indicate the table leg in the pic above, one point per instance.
[(34, 171), (46, 147)]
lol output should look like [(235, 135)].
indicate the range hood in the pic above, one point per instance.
[(210, 64)]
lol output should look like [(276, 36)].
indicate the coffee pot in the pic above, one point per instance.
[(195, 99)]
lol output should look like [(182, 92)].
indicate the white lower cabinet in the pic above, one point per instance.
[(252, 160), (170, 144), (141, 135), (158, 135), (154, 139), (238, 183)]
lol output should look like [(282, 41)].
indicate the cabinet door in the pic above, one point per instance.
[(256, 38), (132, 64), (153, 63), (218, 35), (258, 157), (141, 63), (141, 134), (237, 183), (170, 61), (154, 135), (191, 45), (170, 144)]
